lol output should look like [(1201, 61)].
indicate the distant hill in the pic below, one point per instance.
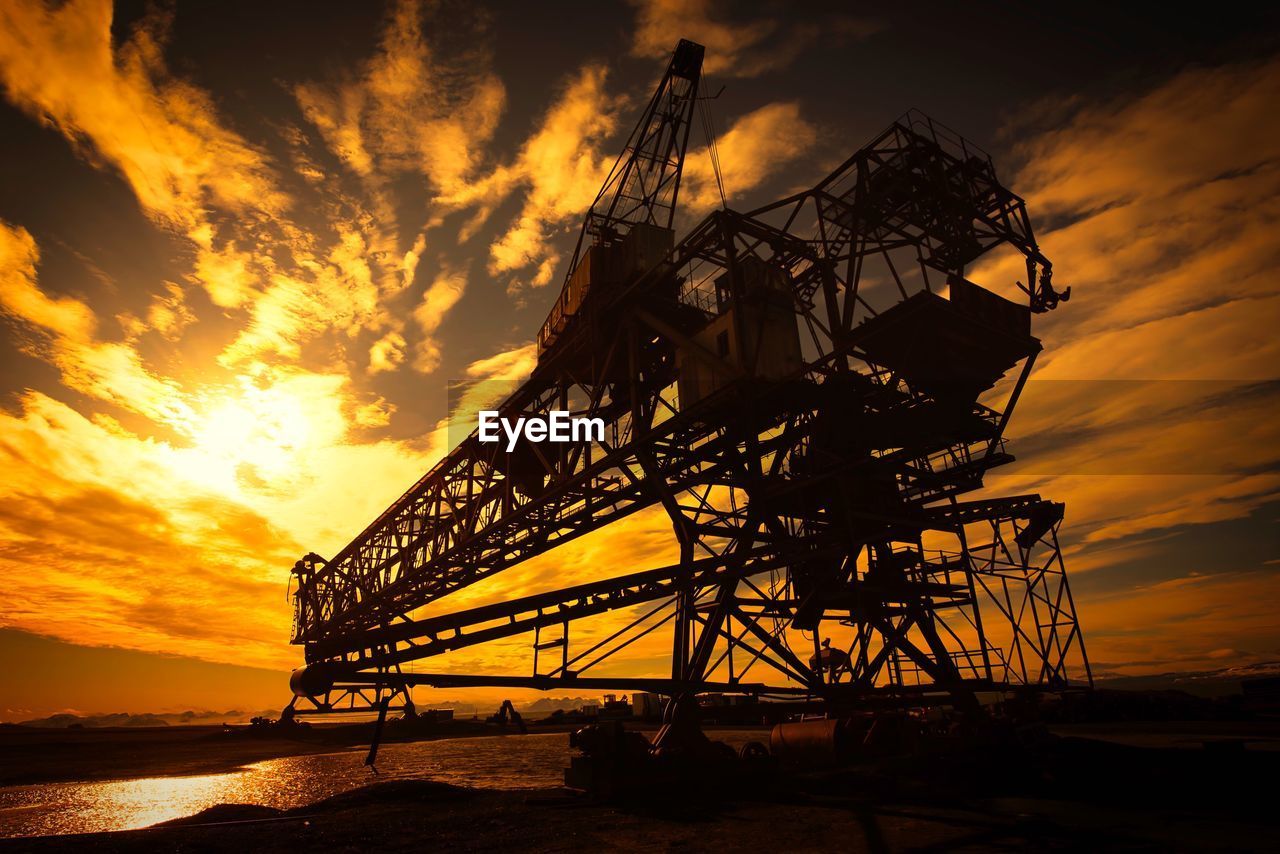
[(148, 719), (550, 704), (1221, 682), (119, 719)]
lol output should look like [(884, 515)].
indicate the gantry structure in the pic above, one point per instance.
[(811, 391)]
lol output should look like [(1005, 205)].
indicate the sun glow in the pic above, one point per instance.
[(251, 436)]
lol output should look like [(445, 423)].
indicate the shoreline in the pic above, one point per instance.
[(31, 756)]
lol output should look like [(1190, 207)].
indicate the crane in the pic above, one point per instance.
[(812, 391)]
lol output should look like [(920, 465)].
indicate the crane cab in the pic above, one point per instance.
[(753, 333), (605, 266)]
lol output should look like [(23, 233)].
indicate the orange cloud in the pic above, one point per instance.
[(102, 541), (184, 547), (1152, 411), (440, 297), (756, 147), (387, 353), (20, 297), (161, 133), (1166, 246), (64, 335), (737, 49), (200, 179), (175, 531), (410, 110), (563, 166)]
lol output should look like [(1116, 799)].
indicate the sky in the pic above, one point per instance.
[(244, 252)]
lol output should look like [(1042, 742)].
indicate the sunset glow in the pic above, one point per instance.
[(236, 284)]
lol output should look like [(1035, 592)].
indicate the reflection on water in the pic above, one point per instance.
[(495, 762)]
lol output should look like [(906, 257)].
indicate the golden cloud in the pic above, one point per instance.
[(161, 133), (1164, 246), (1152, 411), (756, 146), (410, 110), (737, 49), (21, 297), (387, 353), (173, 525), (200, 179), (563, 167), (440, 297)]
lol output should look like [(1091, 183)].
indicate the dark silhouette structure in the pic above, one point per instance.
[(813, 391)]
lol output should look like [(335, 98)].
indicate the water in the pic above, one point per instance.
[(494, 762)]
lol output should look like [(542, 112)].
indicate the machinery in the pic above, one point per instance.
[(812, 391)]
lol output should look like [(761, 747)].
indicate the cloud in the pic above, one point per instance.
[(184, 536), (440, 297), (21, 297), (1151, 412), (172, 547), (168, 315), (162, 134), (1161, 229), (251, 436), (334, 293), (62, 331), (1162, 204), (409, 109), (736, 48), (757, 146), (562, 166), (296, 278), (130, 551), (387, 353)]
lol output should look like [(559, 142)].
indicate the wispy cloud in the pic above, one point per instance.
[(737, 47), (409, 109), (441, 296), (1164, 237), (63, 332), (756, 146), (196, 177), (1155, 416), (120, 103), (560, 166)]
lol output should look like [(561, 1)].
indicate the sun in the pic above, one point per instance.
[(248, 433)]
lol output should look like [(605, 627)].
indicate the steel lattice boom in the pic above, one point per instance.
[(807, 390)]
